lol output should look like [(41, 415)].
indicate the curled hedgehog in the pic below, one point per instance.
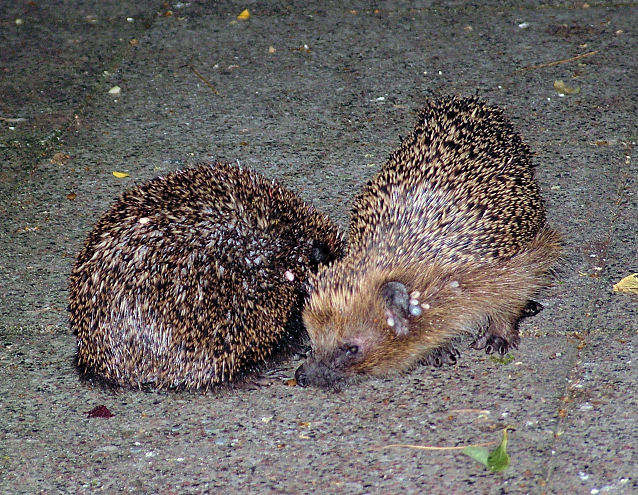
[(450, 237), (196, 279)]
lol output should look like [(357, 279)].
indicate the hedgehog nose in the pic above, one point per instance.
[(300, 376)]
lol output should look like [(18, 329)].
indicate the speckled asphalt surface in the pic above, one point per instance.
[(320, 110)]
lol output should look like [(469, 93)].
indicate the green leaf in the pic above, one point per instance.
[(502, 360), (497, 460), (479, 454)]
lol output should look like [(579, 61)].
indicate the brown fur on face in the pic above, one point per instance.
[(448, 238)]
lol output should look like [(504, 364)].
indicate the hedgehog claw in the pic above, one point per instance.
[(532, 308), (446, 354), (256, 383), (496, 344), (499, 338)]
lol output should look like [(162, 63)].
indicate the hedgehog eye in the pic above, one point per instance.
[(352, 350)]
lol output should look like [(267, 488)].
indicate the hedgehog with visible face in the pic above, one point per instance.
[(449, 238), (196, 279)]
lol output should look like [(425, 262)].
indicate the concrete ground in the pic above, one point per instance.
[(316, 95)]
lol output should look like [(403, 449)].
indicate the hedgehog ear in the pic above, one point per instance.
[(397, 306)]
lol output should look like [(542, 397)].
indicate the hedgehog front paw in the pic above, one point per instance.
[(498, 337), (446, 354), (493, 343)]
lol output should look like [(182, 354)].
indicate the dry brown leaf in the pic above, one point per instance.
[(60, 158), (562, 88), (628, 284)]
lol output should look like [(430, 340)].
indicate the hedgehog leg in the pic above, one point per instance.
[(499, 337), (446, 354), (260, 381)]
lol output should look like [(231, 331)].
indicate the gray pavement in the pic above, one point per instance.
[(320, 110)]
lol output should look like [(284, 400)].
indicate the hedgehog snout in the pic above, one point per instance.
[(319, 374), (327, 372)]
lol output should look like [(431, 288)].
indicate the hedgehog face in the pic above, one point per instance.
[(369, 332)]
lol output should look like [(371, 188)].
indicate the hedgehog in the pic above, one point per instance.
[(449, 238), (196, 279)]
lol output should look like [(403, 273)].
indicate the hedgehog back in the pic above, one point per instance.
[(185, 281), (459, 188)]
